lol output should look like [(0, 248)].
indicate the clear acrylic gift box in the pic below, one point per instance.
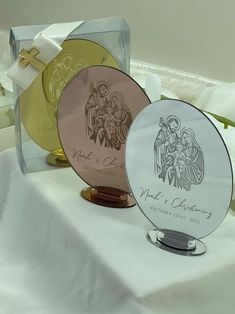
[(102, 41)]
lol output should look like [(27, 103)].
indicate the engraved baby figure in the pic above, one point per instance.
[(179, 158), (110, 123)]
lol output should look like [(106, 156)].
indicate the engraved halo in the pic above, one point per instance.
[(172, 117), (103, 83)]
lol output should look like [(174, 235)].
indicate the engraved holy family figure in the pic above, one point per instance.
[(107, 117), (178, 158)]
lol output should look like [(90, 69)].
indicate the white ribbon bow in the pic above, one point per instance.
[(45, 47)]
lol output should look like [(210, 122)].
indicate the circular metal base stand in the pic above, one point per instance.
[(57, 158), (107, 196), (176, 242)]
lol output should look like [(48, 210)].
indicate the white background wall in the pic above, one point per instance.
[(193, 35)]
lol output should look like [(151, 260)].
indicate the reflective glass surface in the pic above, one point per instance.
[(178, 168), (95, 112)]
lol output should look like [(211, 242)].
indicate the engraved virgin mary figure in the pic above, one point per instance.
[(107, 117), (178, 158)]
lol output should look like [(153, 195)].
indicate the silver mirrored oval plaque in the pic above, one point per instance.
[(179, 169)]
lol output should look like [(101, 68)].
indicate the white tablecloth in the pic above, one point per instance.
[(61, 255)]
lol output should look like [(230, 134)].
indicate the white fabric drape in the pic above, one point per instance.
[(62, 255)]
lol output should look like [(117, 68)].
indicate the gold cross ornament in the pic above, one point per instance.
[(29, 57)]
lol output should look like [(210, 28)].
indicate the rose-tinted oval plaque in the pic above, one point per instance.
[(95, 112)]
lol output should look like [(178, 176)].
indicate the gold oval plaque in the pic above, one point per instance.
[(38, 104)]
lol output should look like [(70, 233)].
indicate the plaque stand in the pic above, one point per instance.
[(107, 196), (57, 158), (176, 242)]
